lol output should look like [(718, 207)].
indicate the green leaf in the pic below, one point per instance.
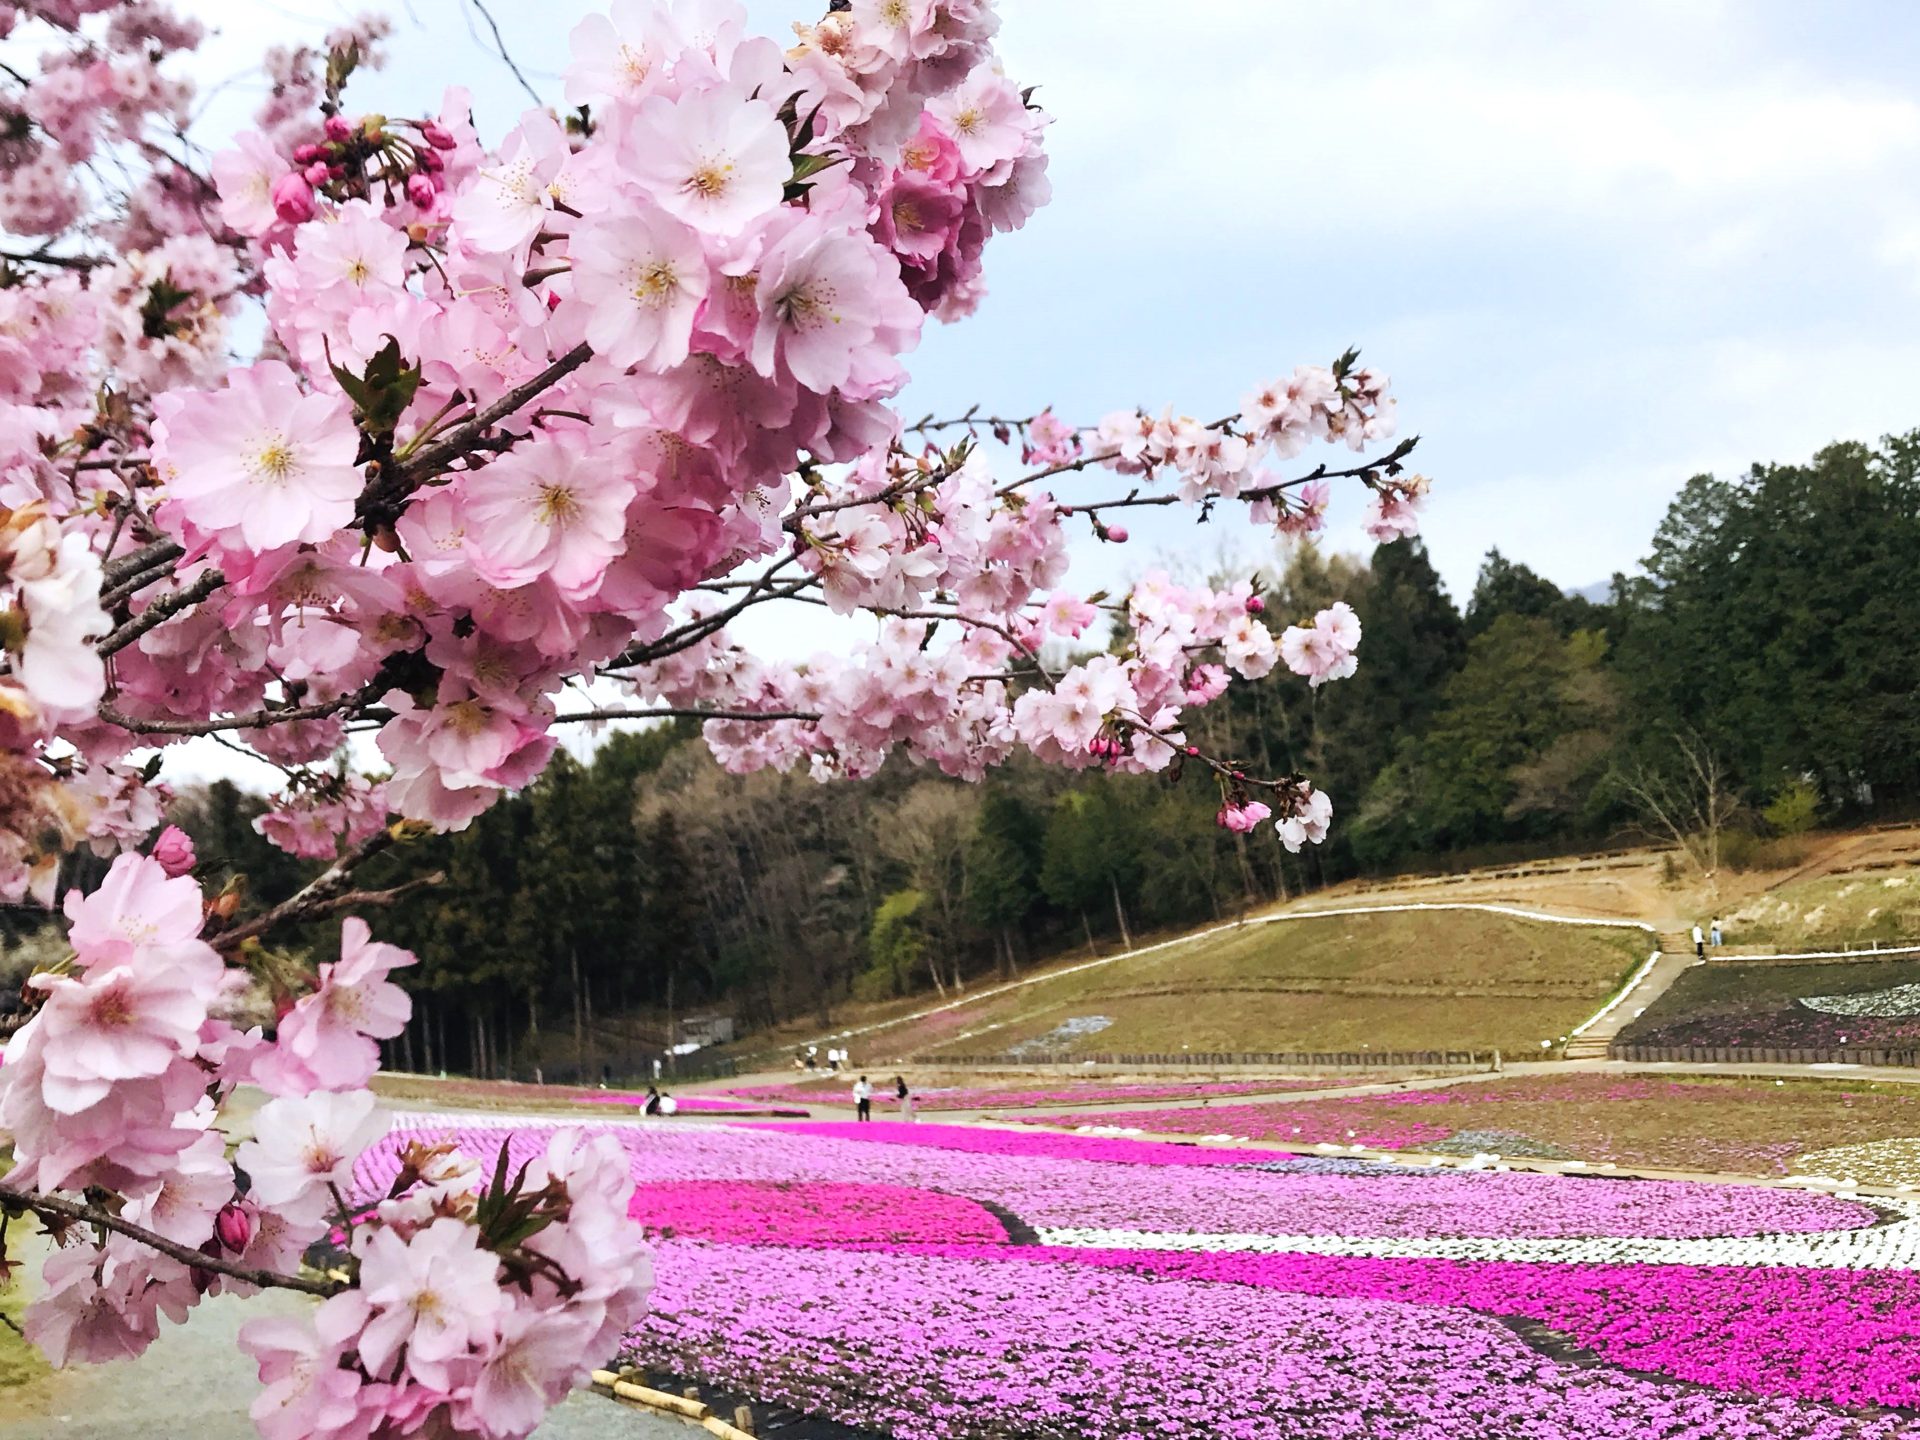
[(383, 393)]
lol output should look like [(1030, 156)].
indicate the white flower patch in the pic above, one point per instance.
[(1884, 1247), (1898, 1001), (1876, 1162)]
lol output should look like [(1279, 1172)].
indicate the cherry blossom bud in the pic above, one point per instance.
[(1193, 749), (1255, 605), (174, 851), (293, 198), (307, 154), (339, 128), (234, 1226), (1117, 534), (429, 161), (437, 136), (421, 190), (317, 173)]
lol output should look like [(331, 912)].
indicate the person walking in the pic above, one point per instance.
[(833, 1061), (1713, 932), (1699, 942), (905, 1097), (862, 1099)]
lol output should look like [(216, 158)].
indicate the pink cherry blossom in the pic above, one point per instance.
[(432, 1295), (548, 509), (1324, 650), (262, 461), (173, 852), (328, 1040), (715, 160), (304, 1148), (643, 281)]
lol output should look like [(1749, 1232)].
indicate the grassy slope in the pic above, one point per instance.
[(1837, 911), (1729, 1125), (1435, 980)]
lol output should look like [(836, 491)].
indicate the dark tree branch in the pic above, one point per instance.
[(676, 713), (14, 1201), (381, 499), (136, 562), (160, 610), (255, 720), (327, 891)]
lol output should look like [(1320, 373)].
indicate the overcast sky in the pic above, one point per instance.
[(1599, 246)]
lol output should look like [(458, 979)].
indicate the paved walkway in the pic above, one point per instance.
[(1592, 1042), (193, 1384)]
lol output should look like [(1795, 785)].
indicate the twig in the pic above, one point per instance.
[(42, 257), (379, 497), (500, 46), (675, 713), (160, 610), (53, 1205), (328, 889), (686, 636), (135, 562), (255, 720)]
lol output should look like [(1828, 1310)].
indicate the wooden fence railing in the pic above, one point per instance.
[(1280, 1059)]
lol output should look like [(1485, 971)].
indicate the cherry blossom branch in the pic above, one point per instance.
[(110, 462), (905, 485), (160, 610), (116, 573), (684, 637), (54, 1207), (671, 712), (43, 257), (1092, 457), (380, 499), (972, 420), (1390, 463), (326, 892), (254, 720)]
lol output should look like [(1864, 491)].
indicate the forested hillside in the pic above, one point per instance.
[(1759, 676)]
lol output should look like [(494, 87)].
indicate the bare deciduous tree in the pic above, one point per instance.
[(1688, 800)]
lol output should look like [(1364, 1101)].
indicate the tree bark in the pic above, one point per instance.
[(579, 1014), (1120, 912)]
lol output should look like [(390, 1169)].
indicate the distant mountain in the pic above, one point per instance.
[(1598, 592)]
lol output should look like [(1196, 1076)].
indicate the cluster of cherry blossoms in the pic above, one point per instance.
[(526, 418), (484, 1303)]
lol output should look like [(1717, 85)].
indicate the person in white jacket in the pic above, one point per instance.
[(862, 1099)]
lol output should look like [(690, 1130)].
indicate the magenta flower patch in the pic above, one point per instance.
[(776, 1212), (864, 1273)]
